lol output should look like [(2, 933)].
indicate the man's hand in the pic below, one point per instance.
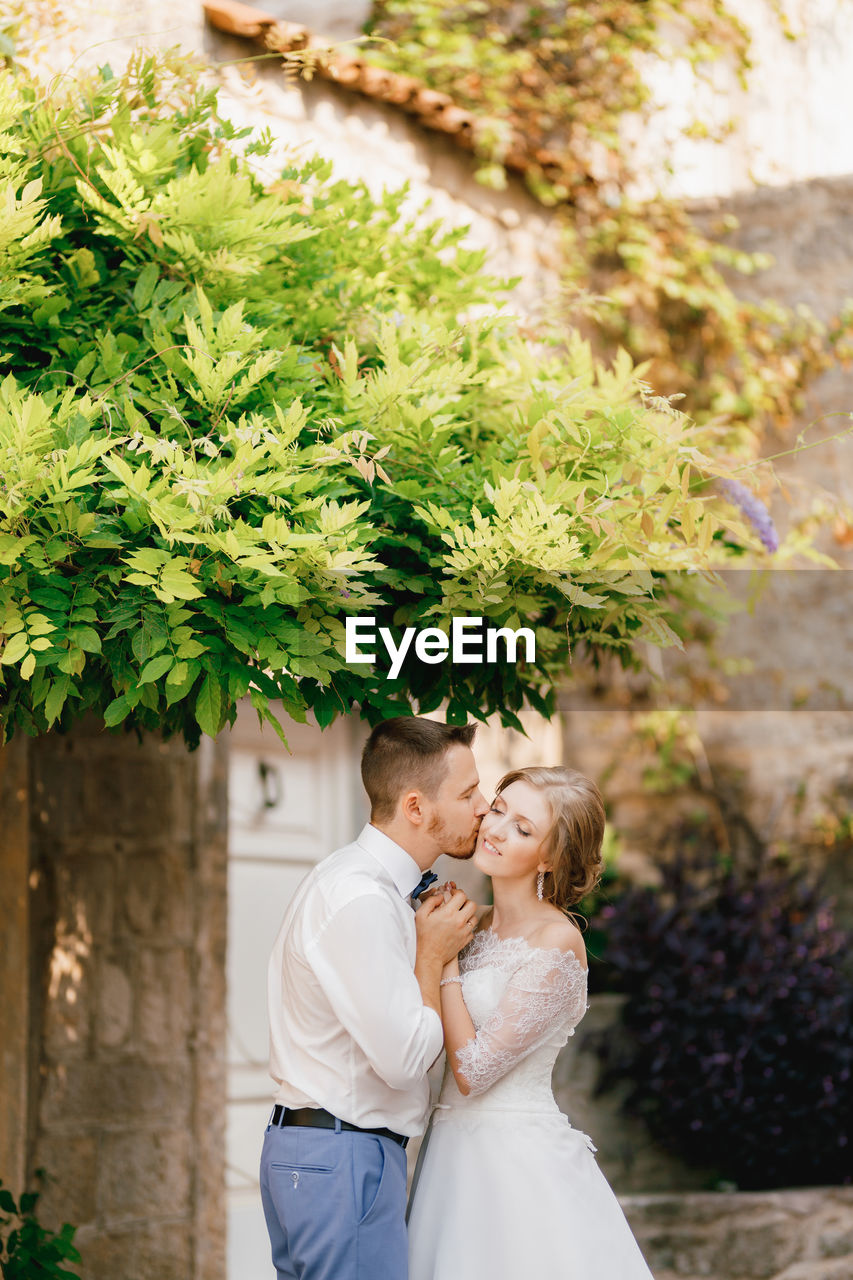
[(445, 923)]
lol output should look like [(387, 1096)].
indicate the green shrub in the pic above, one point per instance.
[(234, 413), (29, 1251)]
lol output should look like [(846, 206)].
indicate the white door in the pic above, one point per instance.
[(286, 811)]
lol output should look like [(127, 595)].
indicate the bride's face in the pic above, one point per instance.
[(513, 833)]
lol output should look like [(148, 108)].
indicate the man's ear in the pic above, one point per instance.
[(411, 808)]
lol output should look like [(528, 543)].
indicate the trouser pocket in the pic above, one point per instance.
[(368, 1160)]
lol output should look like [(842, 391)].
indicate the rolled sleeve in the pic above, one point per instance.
[(362, 963)]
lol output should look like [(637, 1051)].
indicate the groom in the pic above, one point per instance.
[(355, 1012)]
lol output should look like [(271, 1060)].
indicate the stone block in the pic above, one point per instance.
[(68, 1193), (114, 1007), (156, 899), (836, 1238), (835, 1269), (83, 1094), (54, 802), (68, 1016), (159, 1251), (93, 787), (132, 793), (72, 902), (700, 1209), (164, 1001), (760, 1246), (84, 894), (144, 1173)]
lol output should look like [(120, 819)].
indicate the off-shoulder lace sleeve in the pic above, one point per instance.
[(548, 988)]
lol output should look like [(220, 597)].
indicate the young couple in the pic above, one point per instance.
[(363, 992)]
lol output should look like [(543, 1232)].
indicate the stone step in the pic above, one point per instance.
[(774, 1235), (826, 1269)]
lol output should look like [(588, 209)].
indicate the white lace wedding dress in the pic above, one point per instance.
[(506, 1188)]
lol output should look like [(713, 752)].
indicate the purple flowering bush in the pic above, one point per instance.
[(739, 1019)]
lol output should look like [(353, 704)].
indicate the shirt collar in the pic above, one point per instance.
[(401, 866)]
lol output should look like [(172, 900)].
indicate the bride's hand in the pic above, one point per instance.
[(446, 890)]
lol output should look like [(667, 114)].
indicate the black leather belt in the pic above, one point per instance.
[(317, 1118)]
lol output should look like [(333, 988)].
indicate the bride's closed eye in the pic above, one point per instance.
[(494, 809)]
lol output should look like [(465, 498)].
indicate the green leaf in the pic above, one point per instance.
[(16, 648), (175, 584), (144, 287), (157, 667), (13, 547), (265, 713), (117, 711), (49, 597), (177, 690), (85, 638), (191, 649), (326, 706), (208, 706), (56, 698)]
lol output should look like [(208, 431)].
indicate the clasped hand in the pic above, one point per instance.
[(445, 921)]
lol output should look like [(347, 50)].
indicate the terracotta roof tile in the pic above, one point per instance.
[(434, 110), (238, 19)]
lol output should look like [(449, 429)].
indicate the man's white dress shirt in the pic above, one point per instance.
[(348, 1027)]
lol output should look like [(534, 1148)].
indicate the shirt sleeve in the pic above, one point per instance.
[(548, 989), (362, 963)]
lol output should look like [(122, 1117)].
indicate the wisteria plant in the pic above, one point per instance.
[(233, 413)]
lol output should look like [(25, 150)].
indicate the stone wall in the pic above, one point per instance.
[(773, 1235), (778, 735), (126, 1104), (14, 961)]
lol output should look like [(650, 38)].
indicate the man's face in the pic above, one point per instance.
[(458, 806)]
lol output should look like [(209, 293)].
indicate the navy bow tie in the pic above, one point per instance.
[(425, 881)]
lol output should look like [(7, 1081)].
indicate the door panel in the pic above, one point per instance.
[(286, 811)]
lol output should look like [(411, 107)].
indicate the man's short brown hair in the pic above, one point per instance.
[(407, 753)]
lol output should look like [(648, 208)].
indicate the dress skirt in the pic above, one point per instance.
[(514, 1195)]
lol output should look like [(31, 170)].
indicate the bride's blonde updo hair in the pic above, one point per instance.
[(574, 841)]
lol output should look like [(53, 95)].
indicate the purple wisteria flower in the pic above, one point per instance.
[(754, 510)]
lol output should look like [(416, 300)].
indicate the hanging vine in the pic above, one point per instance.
[(551, 85)]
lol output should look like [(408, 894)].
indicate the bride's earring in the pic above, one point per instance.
[(540, 885)]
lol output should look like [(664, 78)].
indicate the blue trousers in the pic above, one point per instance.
[(335, 1204)]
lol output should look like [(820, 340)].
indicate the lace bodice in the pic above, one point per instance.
[(524, 1002)]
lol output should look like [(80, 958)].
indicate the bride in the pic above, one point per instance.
[(506, 1188)]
